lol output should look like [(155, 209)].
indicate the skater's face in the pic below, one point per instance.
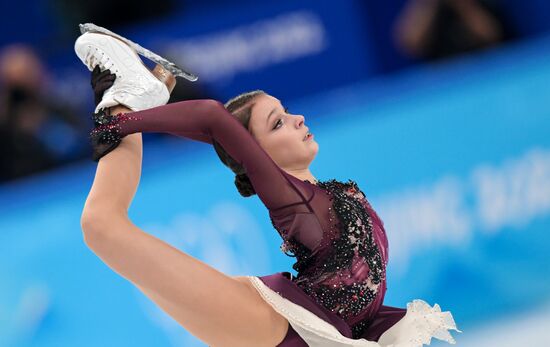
[(281, 133)]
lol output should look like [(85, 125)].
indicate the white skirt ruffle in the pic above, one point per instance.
[(420, 323)]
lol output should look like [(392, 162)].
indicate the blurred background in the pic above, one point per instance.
[(438, 109)]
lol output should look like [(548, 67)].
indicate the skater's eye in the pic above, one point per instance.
[(277, 123), (279, 120)]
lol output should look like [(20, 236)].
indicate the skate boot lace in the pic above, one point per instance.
[(95, 56), (135, 85)]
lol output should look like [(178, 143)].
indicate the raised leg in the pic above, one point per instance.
[(220, 310)]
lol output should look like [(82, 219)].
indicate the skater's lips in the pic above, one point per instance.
[(305, 136)]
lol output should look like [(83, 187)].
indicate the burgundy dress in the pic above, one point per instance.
[(337, 238)]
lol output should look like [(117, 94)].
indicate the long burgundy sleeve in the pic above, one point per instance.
[(207, 120)]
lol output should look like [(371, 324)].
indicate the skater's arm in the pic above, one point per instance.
[(209, 120), (117, 176)]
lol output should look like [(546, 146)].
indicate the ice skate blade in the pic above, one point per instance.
[(165, 63)]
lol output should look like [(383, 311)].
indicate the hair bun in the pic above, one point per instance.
[(244, 185)]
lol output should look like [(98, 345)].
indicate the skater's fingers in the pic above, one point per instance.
[(101, 77), (104, 85), (101, 81), (95, 74), (110, 77), (105, 73), (105, 80)]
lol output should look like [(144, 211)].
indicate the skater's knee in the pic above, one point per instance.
[(95, 224)]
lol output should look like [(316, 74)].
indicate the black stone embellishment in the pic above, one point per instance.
[(353, 236), (102, 118), (106, 136)]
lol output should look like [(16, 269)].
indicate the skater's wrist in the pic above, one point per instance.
[(118, 109)]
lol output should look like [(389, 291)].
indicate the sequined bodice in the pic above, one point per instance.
[(346, 271), (337, 239)]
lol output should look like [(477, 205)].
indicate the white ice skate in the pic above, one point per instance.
[(165, 63), (135, 86)]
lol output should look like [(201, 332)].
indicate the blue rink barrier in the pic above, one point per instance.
[(455, 159)]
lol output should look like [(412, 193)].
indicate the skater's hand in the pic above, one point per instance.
[(101, 81)]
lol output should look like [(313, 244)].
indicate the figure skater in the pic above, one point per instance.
[(338, 240)]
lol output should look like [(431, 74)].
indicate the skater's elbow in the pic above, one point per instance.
[(96, 225), (213, 103), (214, 106)]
